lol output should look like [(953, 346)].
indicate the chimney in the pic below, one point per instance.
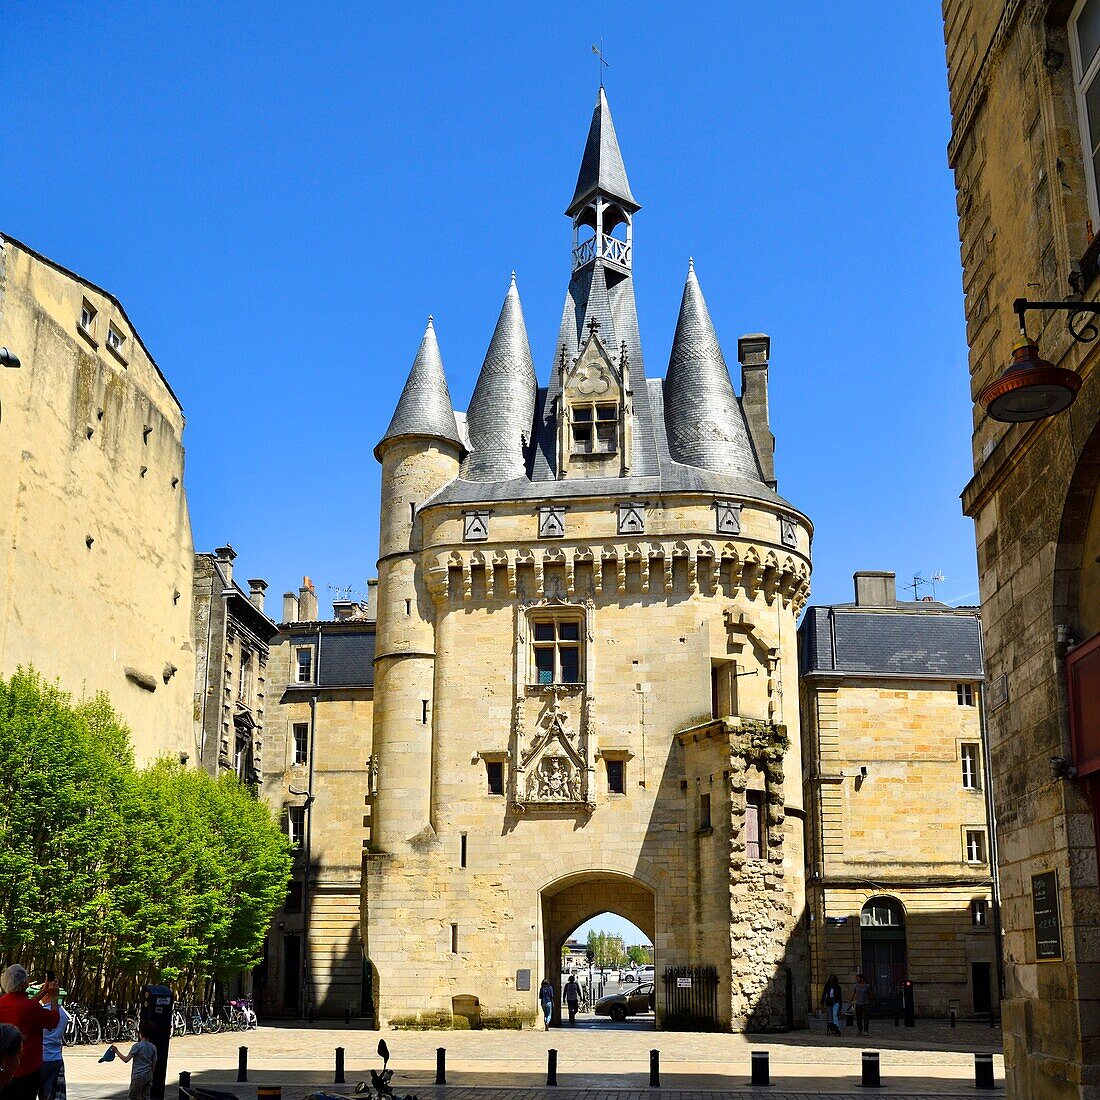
[(224, 556), (372, 600), (307, 601), (753, 350), (256, 590), (875, 589), (344, 609), (290, 607)]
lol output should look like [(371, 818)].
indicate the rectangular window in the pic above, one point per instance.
[(303, 658), (87, 317), (969, 756), (423, 712), (1085, 52), (616, 782), (454, 939), (462, 851), (595, 428), (557, 650), (979, 913), (296, 824), (244, 678), (494, 769), (115, 339), (293, 903), (704, 815), (975, 846), (754, 823), (301, 742), (964, 693)]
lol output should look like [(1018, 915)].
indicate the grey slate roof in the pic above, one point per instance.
[(347, 660), (502, 408), (424, 407), (703, 417), (602, 167), (913, 643)]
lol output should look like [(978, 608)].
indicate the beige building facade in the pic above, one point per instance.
[(93, 514), (900, 855), (318, 774), (1023, 86), (587, 595)]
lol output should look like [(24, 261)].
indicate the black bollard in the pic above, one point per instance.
[(551, 1067), (910, 1004), (339, 1078), (310, 1014), (871, 1078), (654, 1069), (440, 1065), (983, 1071), (242, 1064), (761, 1068), (185, 1082), (347, 1016), (952, 1017)]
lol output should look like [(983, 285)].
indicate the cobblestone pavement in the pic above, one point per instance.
[(595, 1062)]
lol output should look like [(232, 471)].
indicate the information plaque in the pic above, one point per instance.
[(1044, 905)]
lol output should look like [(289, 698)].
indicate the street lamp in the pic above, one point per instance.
[(1031, 388), (8, 358)]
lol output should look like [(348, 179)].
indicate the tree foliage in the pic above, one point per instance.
[(115, 876), (608, 949)]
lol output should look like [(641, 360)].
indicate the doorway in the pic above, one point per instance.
[(292, 973), (980, 976), (882, 939)]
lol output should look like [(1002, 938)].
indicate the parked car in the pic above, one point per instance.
[(628, 1003)]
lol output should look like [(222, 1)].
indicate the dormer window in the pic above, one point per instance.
[(595, 429)]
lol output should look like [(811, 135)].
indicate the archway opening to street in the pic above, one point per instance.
[(882, 937), (567, 907)]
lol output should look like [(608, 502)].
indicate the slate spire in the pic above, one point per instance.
[(502, 407), (424, 408), (703, 418), (602, 168)]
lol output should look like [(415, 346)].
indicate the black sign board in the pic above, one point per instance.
[(523, 980), (1044, 904)]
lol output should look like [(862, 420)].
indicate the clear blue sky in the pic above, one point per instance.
[(609, 922), (281, 194)]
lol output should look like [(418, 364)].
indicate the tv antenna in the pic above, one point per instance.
[(919, 582)]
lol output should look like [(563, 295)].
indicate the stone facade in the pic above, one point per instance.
[(1027, 201), (895, 779), (232, 639), (96, 557), (586, 620), (318, 773)]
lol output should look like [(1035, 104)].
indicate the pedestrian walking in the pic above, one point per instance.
[(546, 1000), (52, 1084), (572, 998), (11, 1043), (831, 996), (861, 998), (31, 1017), (143, 1054)]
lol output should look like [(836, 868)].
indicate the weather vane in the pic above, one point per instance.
[(598, 51)]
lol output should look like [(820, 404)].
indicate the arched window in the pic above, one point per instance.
[(882, 913)]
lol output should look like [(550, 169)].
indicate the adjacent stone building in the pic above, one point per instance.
[(587, 595), (96, 557), (900, 856), (1024, 86), (318, 774), (232, 640)]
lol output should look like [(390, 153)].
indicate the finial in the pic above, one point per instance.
[(598, 51), (431, 321), (513, 278), (593, 325), (691, 264)]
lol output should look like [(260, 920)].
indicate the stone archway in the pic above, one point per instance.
[(568, 902)]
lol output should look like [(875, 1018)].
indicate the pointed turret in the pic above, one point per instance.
[(502, 407), (703, 418), (424, 408), (602, 168)]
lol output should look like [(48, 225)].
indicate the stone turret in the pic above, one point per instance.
[(420, 453), (703, 418), (503, 403)]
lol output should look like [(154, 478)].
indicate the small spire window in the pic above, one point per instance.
[(595, 428)]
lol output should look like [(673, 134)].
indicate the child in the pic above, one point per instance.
[(144, 1056)]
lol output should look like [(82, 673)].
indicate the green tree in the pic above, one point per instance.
[(640, 955)]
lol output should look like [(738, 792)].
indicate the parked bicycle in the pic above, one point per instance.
[(83, 1026)]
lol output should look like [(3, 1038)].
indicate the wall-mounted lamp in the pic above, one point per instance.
[(8, 358)]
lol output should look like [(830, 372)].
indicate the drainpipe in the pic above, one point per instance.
[(991, 825)]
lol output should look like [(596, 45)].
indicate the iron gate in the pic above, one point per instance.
[(691, 998)]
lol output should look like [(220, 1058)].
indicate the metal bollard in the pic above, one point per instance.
[(871, 1078), (185, 1082), (654, 1069), (761, 1068), (551, 1067), (952, 1017), (347, 1016), (440, 1065), (339, 1078), (983, 1071), (242, 1064)]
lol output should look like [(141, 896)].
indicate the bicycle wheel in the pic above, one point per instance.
[(92, 1030)]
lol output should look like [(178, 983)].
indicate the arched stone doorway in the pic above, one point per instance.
[(882, 939), (569, 902)]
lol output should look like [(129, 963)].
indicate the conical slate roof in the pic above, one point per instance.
[(602, 167), (424, 408), (502, 407), (703, 418)]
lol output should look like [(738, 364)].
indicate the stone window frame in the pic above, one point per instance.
[(86, 324), (556, 614), (757, 799), (979, 913), (494, 756), (1085, 76), (979, 833), (296, 666), (116, 341), (295, 762), (296, 825), (971, 768), (964, 694), (593, 423), (617, 755)]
